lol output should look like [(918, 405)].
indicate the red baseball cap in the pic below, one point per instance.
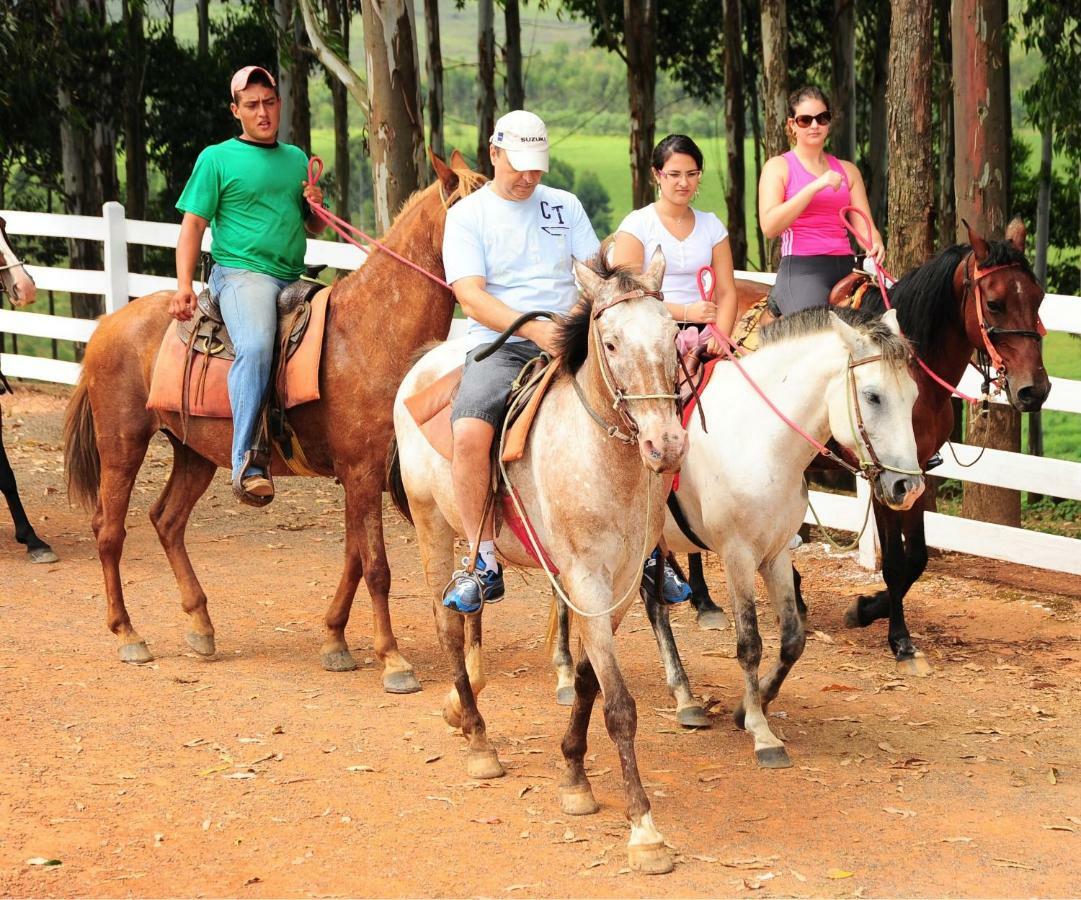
[(242, 76)]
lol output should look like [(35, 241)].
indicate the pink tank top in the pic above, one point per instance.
[(818, 230)]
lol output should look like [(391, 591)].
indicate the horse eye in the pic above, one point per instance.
[(609, 346), (873, 398), (996, 306)]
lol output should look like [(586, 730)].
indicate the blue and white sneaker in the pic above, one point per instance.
[(465, 592), (673, 588)]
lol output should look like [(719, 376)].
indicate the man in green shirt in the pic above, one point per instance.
[(252, 191)]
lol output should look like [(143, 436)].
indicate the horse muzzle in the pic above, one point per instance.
[(1029, 397), (663, 448), (898, 491)]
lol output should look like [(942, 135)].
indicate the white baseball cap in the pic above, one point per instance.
[(524, 138)]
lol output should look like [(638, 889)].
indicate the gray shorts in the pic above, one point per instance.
[(486, 385), (806, 281)]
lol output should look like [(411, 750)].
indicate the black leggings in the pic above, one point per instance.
[(806, 281)]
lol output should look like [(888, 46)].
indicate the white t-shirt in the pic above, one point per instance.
[(521, 248), (682, 259)]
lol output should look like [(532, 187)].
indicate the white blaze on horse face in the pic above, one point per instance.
[(638, 338)]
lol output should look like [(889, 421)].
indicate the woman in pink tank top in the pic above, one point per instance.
[(800, 196)]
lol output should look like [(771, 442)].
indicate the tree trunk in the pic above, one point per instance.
[(396, 116), (879, 145), (134, 118), (640, 45), (302, 111), (338, 13), (734, 132), (982, 115), (1043, 224), (911, 208), (283, 17), (203, 13), (774, 89), (435, 79), (486, 82), (756, 131), (512, 55), (843, 129), (947, 211)]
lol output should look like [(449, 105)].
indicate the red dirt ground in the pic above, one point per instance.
[(257, 774)]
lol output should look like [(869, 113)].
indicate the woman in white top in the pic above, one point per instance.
[(690, 239)]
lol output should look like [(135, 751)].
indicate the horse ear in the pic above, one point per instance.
[(457, 161), (1015, 233), (653, 276), (443, 172), (592, 283), (979, 245), (846, 332), (889, 319)]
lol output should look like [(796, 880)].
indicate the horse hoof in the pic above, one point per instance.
[(42, 555), (484, 764), (916, 666), (578, 800), (338, 661), (203, 644), (650, 859), (401, 681), (773, 758), (135, 653), (852, 616), (713, 620), (565, 695), (693, 717)]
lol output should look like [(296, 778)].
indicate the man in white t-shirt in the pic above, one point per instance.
[(507, 249)]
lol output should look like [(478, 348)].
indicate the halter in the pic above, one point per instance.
[(620, 399), (871, 467)]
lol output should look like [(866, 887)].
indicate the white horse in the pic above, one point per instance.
[(14, 279), (592, 486), (840, 374)]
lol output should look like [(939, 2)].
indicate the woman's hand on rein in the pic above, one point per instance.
[(699, 313)]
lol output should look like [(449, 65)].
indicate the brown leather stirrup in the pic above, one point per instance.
[(254, 490)]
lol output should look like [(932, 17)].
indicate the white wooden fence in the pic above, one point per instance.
[(996, 467)]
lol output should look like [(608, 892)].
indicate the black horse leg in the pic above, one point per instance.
[(36, 549), (801, 606), (689, 711), (710, 616)]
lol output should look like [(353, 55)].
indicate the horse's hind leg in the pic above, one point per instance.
[(562, 661), (710, 616), (768, 748), (780, 584), (36, 549), (365, 554), (188, 481), (689, 711), (121, 455)]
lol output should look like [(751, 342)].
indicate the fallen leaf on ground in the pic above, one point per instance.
[(1010, 864), (43, 861), (839, 687), (432, 759), (822, 636), (888, 748), (360, 769), (255, 879), (751, 862), (903, 813), (957, 840), (839, 873)]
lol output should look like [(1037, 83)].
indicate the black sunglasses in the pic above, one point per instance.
[(823, 118)]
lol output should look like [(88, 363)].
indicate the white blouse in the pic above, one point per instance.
[(683, 258)]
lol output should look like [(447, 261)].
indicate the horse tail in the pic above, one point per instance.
[(395, 485), (81, 461)]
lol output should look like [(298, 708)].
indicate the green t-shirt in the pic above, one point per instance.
[(252, 196)]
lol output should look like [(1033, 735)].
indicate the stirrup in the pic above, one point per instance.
[(252, 457)]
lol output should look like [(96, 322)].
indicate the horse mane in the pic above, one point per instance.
[(468, 181), (926, 308), (572, 335), (894, 348)]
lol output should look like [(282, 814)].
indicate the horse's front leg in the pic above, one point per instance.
[(36, 549), (689, 712), (710, 616), (739, 568), (777, 574), (365, 554), (562, 661)]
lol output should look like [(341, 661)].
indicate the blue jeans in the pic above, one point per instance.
[(249, 306)]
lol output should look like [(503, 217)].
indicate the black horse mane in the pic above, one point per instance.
[(926, 308), (895, 349), (572, 338)]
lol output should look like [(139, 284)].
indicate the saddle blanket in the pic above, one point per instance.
[(209, 394)]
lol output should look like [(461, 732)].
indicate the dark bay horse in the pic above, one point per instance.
[(377, 317), (937, 306), (19, 286)]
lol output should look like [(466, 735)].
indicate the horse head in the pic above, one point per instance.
[(1001, 304), (624, 338), (870, 409), (13, 276)]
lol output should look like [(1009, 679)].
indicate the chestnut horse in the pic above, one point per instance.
[(377, 317), (19, 286), (937, 309)]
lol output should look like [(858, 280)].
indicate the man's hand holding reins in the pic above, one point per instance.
[(182, 304), (313, 194)]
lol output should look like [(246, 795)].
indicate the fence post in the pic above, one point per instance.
[(116, 256), (868, 552)]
